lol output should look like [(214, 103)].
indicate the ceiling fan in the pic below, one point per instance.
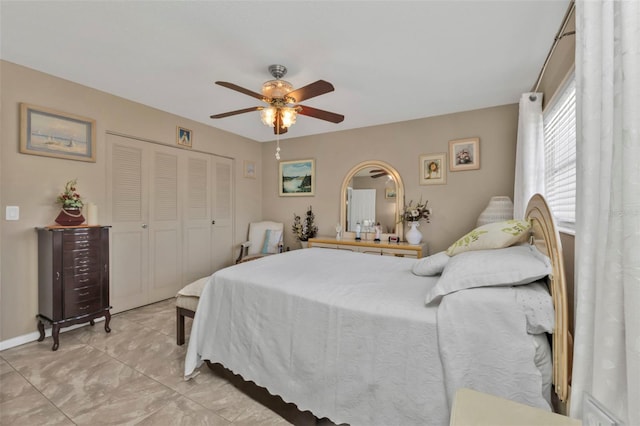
[(282, 100), (376, 173)]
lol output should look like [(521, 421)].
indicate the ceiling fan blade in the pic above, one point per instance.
[(379, 175), (377, 171), (309, 91), (236, 112), (321, 114), (243, 90)]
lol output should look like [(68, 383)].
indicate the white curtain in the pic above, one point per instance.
[(529, 178), (607, 275)]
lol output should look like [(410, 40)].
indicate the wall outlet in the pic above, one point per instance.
[(595, 414), (12, 213)]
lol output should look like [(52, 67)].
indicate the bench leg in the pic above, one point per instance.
[(180, 329), (180, 314)]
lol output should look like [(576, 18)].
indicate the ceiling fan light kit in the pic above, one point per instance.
[(283, 109)]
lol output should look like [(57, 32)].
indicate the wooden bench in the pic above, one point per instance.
[(186, 304)]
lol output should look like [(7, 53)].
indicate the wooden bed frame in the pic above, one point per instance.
[(544, 235)]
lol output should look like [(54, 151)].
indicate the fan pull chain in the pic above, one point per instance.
[(278, 141)]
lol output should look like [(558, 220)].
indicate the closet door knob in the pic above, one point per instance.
[(145, 226)]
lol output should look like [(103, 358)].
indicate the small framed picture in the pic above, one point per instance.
[(464, 154), (249, 169), (390, 193), (297, 178), (52, 133), (433, 169), (184, 137)]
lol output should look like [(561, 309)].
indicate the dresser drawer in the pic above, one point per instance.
[(81, 258), (73, 281), (83, 308), (82, 293), (81, 235), (400, 253)]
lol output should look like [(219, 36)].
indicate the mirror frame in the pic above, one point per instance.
[(399, 196)]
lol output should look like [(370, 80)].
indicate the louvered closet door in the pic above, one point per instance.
[(128, 175), (223, 250), (165, 225), (198, 250), (171, 217), (208, 215)]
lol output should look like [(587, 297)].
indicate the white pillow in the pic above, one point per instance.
[(272, 239), (492, 236), (499, 267), (431, 265), (536, 303)]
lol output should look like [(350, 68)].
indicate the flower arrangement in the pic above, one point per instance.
[(69, 198), (415, 213), (303, 230)]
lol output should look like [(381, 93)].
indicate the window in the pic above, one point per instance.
[(559, 121)]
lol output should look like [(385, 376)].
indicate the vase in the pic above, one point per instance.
[(304, 244), (70, 217), (413, 236)]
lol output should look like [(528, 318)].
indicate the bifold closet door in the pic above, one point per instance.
[(171, 217), (128, 199), (146, 225)]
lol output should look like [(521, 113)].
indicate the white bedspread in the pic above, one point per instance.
[(483, 328), (345, 335)]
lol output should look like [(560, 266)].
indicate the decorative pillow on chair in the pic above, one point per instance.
[(272, 239), (492, 236)]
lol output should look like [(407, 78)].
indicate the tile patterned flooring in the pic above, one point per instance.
[(134, 376)]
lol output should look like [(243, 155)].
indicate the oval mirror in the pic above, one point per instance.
[(372, 193)]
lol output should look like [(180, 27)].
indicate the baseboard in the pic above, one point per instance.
[(32, 337)]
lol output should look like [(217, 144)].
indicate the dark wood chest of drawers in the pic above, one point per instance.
[(73, 277)]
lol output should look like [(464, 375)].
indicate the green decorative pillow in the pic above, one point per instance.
[(492, 236)]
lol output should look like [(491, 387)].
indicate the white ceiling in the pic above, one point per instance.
[(389, 61)]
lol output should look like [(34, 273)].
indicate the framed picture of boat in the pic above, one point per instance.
[(51, 133), (297, 178)]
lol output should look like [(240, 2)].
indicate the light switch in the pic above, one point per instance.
[(12, 213)]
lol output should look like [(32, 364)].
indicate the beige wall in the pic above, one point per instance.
[(32, 182), (456, 205)]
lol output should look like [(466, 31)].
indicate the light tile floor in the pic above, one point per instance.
[(133, 375)]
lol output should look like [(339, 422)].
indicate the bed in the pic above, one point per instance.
[(362, 339)]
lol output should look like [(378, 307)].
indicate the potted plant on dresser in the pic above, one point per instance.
[(71, 205), (304, 229)]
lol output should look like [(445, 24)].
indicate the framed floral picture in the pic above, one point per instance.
[(51, 133), (184, 137), (297, 178), (464, 154), (433, 169)]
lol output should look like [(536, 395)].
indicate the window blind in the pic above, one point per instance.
[(560, 155)]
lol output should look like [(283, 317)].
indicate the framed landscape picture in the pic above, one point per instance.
[(464, 154), (297, 178), (433, 169), (52, 133)]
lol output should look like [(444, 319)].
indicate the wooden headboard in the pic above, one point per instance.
[(544, 235)]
